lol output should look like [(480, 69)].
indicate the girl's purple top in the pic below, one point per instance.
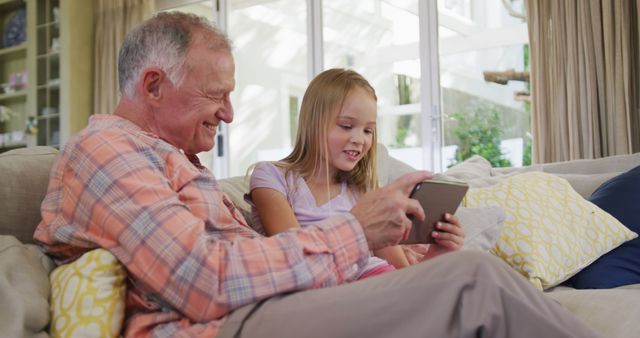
[(267, 175)]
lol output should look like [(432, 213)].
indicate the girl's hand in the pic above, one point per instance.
[(449, 236), (415, 253)]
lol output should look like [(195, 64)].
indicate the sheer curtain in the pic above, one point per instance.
[(584, 78), (113, 19)]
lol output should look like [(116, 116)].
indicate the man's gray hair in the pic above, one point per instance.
[(162, 42)]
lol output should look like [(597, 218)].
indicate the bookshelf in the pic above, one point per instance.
[(54, 71)]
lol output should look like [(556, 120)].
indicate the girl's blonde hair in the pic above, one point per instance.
[(321, 104)]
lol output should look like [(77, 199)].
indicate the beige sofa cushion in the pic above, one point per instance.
[(618, 163), (389, 167), (24, 289), (24, 174), (584, 176), (612, 312), (586, 184)]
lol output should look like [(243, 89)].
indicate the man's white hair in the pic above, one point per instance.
[(162, 42)]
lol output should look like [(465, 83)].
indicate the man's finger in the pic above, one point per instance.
[(407, 181), (407, 229), (414, 208)]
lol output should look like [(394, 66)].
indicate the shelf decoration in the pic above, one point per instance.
[(47, 111), (55, 45), (31, 127), (15, 31), (5, 114), (17, 81)]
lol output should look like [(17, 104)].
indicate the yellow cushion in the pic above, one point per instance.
[(87, 296), (550, 231)]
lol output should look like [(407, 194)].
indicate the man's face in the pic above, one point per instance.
[(191, 113)]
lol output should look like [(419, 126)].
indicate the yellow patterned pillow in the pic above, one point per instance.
[(87, 296), (550, 232)]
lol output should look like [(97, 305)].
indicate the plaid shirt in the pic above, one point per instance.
[(190, 256)]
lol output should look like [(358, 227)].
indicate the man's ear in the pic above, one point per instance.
[(152, 81)]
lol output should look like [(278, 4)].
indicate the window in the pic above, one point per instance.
[(379, 39), (200, 7), (270, 49), (484, 90), (435, 67)]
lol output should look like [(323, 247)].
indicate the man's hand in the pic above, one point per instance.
[(383, 212)]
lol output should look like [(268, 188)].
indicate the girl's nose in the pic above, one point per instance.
[(357, 138)]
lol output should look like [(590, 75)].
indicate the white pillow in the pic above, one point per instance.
[(482, 226)]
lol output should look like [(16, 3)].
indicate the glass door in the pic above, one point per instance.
[(270, 49), (484, 79), (380, 39), (451, 75)]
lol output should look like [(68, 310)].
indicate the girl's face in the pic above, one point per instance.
[(351, 134)]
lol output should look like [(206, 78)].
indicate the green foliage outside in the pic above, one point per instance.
[(479, 133), (404, 122), (526, 154), (401, 134)]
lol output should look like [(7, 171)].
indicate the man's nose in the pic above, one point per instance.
[(226, 113)]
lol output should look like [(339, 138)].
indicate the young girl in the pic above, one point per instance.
[(331, 165)]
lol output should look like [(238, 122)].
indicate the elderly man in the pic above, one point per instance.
[(131, 183)]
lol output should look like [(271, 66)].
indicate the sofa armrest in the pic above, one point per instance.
[(25, 178)]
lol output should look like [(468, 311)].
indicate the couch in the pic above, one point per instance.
[(24, 270)]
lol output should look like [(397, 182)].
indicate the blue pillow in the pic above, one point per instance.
[(620, 197)]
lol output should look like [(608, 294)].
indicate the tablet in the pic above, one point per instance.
[(437, 197)]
